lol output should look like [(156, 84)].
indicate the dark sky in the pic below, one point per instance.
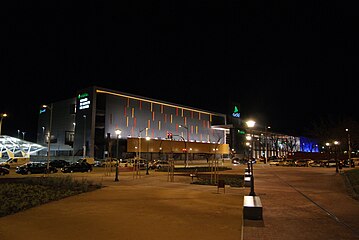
[(286, 64)]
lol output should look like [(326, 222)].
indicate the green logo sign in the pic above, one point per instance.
[(236, 112), (82, 95)]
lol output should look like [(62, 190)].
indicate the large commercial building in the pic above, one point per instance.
[(104, 123)]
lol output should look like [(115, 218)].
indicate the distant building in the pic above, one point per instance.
[(104, 123)]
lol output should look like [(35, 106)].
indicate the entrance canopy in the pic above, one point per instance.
[(14, 147)]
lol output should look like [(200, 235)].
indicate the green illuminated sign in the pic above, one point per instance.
[(82, 95), (236, 112)]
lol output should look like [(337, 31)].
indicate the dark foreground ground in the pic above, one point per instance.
[(298, 203)]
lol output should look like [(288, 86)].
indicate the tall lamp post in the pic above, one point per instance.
[(266, 144), (250, 124), (185, 127), (336, 144), (147, 139), (349, 148), (2, 115), (118, 135), (84, 145), (49, 137)]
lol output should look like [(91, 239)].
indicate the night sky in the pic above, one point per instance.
[(288, 65)]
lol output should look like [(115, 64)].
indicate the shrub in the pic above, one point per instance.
[(24, 193)]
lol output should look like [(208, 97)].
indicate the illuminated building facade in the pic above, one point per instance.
[(87, 124)]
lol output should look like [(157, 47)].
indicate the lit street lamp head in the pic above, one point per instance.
[(250, 123), (118, 132)]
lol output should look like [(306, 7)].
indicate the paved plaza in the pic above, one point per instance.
[(298, 203)]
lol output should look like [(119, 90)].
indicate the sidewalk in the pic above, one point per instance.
[(149, 207), (311, 205), (298, 203)]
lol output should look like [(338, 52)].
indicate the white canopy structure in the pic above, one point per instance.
[(11, 147)]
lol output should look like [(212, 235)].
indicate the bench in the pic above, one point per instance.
[(252, 208)]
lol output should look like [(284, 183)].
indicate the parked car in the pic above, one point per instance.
[(302, 162), (236, 161), (35, 168), (331, 163), (15, 162), (4, 171), (123, 163), (135, 161), (274, 162), (99, 163), (77, 167), (159, 164), (59, 163), (317, 164)]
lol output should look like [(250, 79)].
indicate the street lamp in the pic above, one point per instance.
[(147, 139), (3, 115), (336, 144), (349, 148), (84, 145), (266, 144), (182, 126), (23, 135), (49, 138), (118, 135), (250, 124)]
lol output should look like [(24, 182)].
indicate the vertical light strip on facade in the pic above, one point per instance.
[(128, 102), (153, 116), (148, 124), (132, 112), (185, 121), (182, 112), (196, 129), (134, 122), (162, 108), (199, 116), (159, 125), (126, 121), (171, 118), (151, 106)]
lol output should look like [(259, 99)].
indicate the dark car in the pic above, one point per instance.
[(59, 163), (77, 167), (4, 171), (35, 168), (159, 164)]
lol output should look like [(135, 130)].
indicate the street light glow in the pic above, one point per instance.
[(250, 123)]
